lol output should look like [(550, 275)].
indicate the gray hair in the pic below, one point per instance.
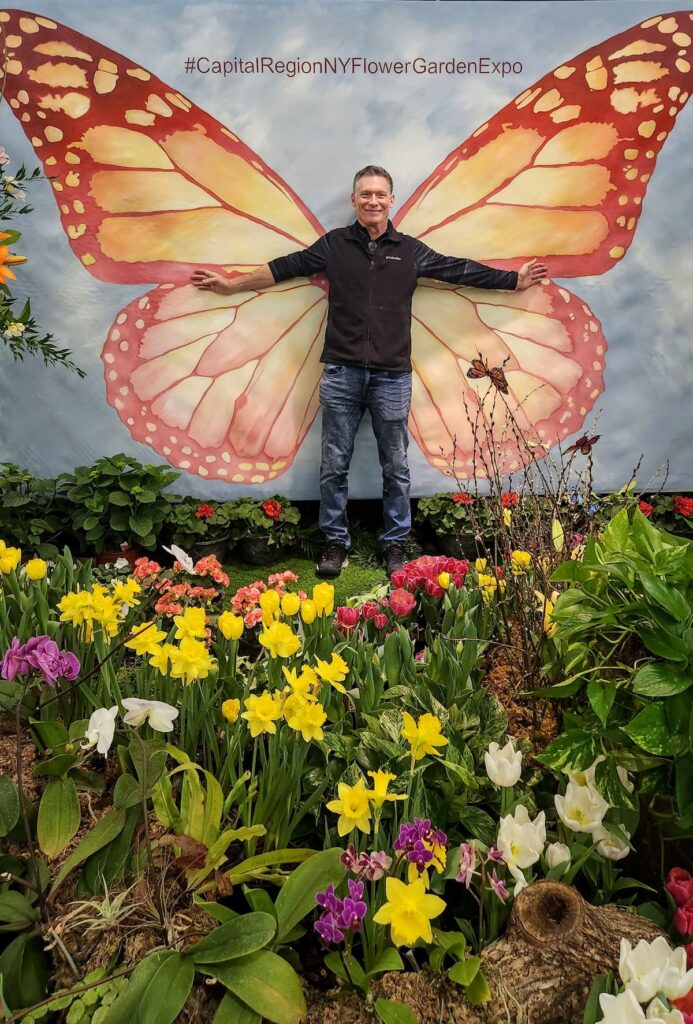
[(372, 171)]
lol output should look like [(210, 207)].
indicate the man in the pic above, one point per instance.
[(372, 270)]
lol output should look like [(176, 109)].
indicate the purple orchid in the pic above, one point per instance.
[(498, 886), (467, 864), (349, 858), (14, 663), (374, 866), (43, 655), (340, 915), (419, 855), (328, 930)]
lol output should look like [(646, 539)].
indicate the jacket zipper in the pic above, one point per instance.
[(370, 310)]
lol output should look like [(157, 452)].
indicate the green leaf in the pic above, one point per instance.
[(389, 960), (465, 971), (392, 1012), (601, 697), (660, 680), (140, 523), (610, 786), (24, 971), (651, 730), (103, 832), (236, 938), (126, 792), (478, 992), (15, 911), (670, 599), (265, 983), (601, 984), (118, 498), (50, 734), (233, 1011), (297, 895), (570, 572), (9, 805), (664, 644), (168, 988), (479, 823), (59, 816), (56, 766), (574, 750)]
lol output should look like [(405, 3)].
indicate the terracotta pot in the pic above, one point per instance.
[(109, 557)]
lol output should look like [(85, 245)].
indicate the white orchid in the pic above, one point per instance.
[(582, 808), (520, 840), (609, 845), (159, 715), (658, 1011), (557, 853), (503, 764), (183, 557), (654, 967), (621, 1009), (101, 729)]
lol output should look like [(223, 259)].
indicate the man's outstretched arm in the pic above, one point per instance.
[(211, 281), (302, 263), (453, 270)]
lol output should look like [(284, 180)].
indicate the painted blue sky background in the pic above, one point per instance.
[(315, 132)]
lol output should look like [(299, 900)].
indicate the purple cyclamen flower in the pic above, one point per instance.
[(327, 928), (374, 866), (498, 886), (467, 864)]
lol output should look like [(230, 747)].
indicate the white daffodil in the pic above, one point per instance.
[(557, 853), (658, 1011), (520, 840), (582, 808), (182, 557), (503, 764), (609, 845), (621, 1009), (159, 715), (100, 730), (654, 967)]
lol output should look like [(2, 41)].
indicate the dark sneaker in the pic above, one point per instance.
[(332, 560), (394, 557)]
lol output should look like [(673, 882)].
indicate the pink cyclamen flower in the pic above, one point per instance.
[(679, 885)]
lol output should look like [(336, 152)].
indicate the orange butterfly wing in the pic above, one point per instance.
[(150, 187), (558, 173)]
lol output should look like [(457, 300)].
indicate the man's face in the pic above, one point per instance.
[(372, 201)]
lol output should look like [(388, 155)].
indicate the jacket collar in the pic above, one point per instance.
[(359, 233)]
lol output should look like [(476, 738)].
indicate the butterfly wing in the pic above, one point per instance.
[(477, 370), (150, 187), (559, 173)]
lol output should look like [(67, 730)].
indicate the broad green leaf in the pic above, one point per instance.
[(234, 939), (102, 833), (168, 989), (391, 1012), (59, 816), (601, 697), (233, 1011), (661, 680), (571, 571), (602, 983), (9, 805), (297, 895), (15, 911), (478, 992), (125, 1008), (24, 971), (664, 644), (265, 983), (609, 784), (668, 597), (574, 750), (126, 792), (216, 910), (55, 766), (616, 536), (479, 824), (389, 960), (140, 523), (465, 971), (651, 731), (257, 866)]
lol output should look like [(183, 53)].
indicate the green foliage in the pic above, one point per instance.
[(275, 520), (9, 805), (32, 513), (449, 514), (186, 528)]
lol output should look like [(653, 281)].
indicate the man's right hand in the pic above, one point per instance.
[(210, 281)]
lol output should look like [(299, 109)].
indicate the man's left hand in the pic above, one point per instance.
[(530, 273)]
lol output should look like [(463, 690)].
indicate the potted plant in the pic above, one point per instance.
[(263, 529), (200, 528), (118, 504), (32, 514), (456, 520)]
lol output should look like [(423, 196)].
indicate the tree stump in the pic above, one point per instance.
[(540, 971)]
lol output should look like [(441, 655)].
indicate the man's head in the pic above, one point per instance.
[(372, 198)]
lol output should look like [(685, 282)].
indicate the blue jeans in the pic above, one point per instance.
[(345, 393)]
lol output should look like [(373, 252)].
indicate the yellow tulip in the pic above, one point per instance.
[(308, 611), (444, 580), (36, 569), (230, 709), (323, 596), (230, 626), (290, 604)]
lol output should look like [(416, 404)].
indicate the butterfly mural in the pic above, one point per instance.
[(150, 188)]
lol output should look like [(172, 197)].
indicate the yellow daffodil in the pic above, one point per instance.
[(546, 606), (290, 604), (507, 517), (520, 561), (292, 703), (146, 638), (409, 911), (308, 719), (308, 611), (231, 626), (333, 672), (261, 712), (444, 580), (280, 640), (423, 736), (36, 569), (126, 592), (304, 684), (323, 598), (9, 558), (230, 709), (381, 780), (353, 808), (160, 657), (191, 625), (191, 661)]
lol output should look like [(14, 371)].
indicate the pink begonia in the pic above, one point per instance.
[(252, 617)]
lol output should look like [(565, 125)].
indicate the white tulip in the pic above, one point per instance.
[(557, 853), (582, 808), (520, 840), (159, 715), (101, 729), (621, 1009), (654, 967), (503, 764), (586, 777), (609, 845), (658, 1011)]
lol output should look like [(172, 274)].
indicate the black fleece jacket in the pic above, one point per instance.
[(369, 318)]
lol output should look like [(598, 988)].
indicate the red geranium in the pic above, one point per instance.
[(509, 499), (272, 508), (463, 499), (204, 511), (646, 509), (684, 506)]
